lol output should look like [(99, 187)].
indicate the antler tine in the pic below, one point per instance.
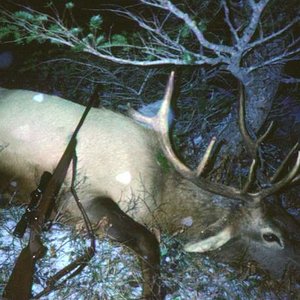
[(162, 116), (160, 124), (265, 134), (162, 127), (207, 155), (251, 176), (139, 117), (295, 179), (283, 164), (252, 146), (281, 183), (157, 122)]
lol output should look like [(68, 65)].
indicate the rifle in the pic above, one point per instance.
[(40, 207)]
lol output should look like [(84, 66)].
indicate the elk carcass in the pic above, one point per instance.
[(120, 179)]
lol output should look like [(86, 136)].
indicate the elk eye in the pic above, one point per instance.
[(270, 237)]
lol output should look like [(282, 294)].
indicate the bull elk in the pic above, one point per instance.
[(120, 180)]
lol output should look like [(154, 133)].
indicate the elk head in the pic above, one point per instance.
[(268, 237)]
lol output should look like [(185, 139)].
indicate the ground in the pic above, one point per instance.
[(114, 272)]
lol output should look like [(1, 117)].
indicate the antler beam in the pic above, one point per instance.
[(159, 123)]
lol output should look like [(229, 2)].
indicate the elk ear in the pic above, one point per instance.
[(210, 239)]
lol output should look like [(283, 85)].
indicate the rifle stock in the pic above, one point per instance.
[(21, 279), (23, 291)]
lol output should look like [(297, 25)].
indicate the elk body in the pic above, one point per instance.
[(120, 180)]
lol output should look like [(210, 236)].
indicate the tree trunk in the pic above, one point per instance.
[(261, 87)]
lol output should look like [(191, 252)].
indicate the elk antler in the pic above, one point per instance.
[(159, 123), (251, 145)]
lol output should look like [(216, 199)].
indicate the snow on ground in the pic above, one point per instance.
[(114, 272)]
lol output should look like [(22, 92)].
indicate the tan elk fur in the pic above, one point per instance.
[(37, 127)]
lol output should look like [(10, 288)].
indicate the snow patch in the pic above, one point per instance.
[(124, 178), (188, 221), (38, 98), (152, 109)]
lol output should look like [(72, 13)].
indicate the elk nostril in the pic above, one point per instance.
[(270, 238)]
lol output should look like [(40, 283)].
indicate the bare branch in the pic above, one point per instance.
[(160, 45), (290, 80), (229, 23), (275, 34), (279, 59), (257, 9), (169, 6)]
